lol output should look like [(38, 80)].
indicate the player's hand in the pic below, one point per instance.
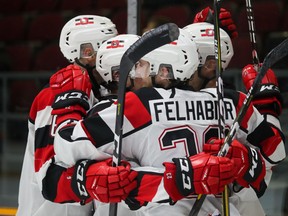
[(71, 87), (250, 165), (268, 99), (199, 174), (103, 182), (226, 21)]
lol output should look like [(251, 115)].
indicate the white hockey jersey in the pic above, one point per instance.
[(160, 125)]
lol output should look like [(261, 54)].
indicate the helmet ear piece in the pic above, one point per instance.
[(85, 29)]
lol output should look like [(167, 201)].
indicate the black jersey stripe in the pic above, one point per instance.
[(147, 94), (43, 137), (260, 134), (98, 130), (234, 95), (50, 182)]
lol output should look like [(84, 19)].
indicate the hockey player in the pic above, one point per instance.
[(79, 41), (107, 64), (150, 196), (268, 102), (245, 201), (185, 54), (259, 162), (163, 112)]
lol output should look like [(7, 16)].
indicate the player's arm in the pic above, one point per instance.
[(72, 89), (67, 96), (87, 180), (249, 162), (198, 174), (268, 136)]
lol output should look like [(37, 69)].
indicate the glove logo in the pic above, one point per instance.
[(269, 87), (186, 180), (72, 95), (80, 179), (254, 162)]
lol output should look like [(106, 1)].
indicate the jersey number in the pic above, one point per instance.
[(186, 136)]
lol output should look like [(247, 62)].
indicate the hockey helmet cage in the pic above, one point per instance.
[(110, 53), (203, 34), (180, 57), (85, 29)]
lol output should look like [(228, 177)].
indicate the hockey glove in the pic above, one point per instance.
[(268, 99), (103, 182), (226, 21), (249, 163), (71, 87), (199, 174)]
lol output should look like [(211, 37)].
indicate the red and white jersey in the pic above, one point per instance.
[(38, 157), (160, 125)]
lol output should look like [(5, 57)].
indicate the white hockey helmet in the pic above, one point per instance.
[(203, 34), (85, 29), (110, 53), (180, 56)]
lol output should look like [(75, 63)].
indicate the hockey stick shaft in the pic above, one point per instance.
[(219, 84), (155, 38), (221, 121), (220, 93), (252, 34)]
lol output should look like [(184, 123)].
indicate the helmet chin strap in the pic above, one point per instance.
[(95, 85)]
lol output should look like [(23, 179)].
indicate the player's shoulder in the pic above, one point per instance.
[(43, 98), (148, 93), (104, 103), (233, 94)]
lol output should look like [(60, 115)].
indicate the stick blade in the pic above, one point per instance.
[(276, 55)]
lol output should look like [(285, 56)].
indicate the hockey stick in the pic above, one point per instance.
[(220, 93), (221, 121), (272, 58), (151, 40), (251, 26)]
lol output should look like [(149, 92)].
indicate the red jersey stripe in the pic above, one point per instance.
[(135, 111)]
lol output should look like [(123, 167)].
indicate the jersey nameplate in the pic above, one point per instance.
[(187, 110)]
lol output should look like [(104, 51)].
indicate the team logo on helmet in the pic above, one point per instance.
[(84, 21), (115, 44), (207, 32)]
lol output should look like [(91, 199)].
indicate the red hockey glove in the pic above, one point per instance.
[(103, 182), (226, 21), (268, 99), (199, 174), (250, 165), (71, 86)]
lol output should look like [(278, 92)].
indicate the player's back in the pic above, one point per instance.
[(178, 123)]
